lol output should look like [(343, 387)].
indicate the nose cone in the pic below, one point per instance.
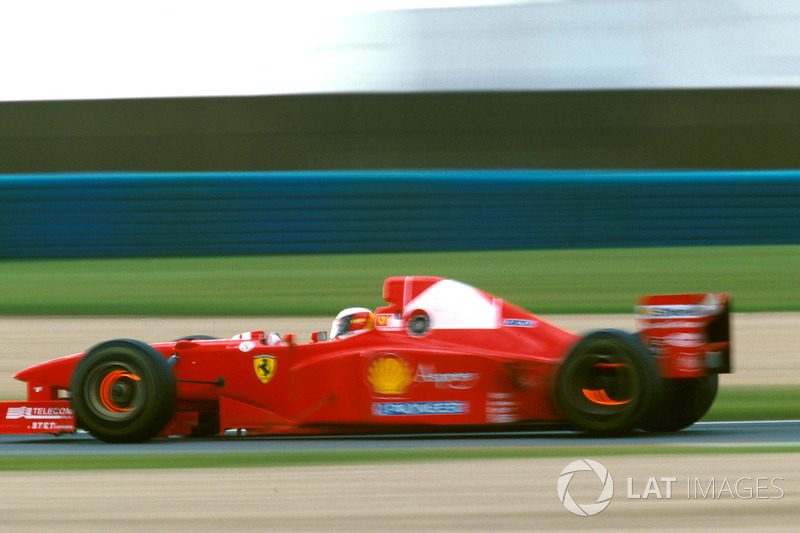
[(56, 372)]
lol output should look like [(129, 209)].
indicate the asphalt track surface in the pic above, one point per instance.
[(747, 433)]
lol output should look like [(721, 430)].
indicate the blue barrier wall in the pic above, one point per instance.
[(312, 212)]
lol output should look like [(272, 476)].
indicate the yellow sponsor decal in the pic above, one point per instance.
[(389, 375), (264, 367)]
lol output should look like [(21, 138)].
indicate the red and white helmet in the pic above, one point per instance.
[(351, 321)]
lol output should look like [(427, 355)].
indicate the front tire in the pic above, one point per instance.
[(607, 383), (123, 391)]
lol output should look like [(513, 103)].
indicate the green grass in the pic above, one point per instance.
[(761, 278), (756, 403), (269, 458)]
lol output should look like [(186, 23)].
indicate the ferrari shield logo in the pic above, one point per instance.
[(265, 367)]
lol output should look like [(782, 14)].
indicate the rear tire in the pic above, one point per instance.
[(607, 383), (123, 391), (684, 402)]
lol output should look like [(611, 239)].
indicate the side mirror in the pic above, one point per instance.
[(319, 336)]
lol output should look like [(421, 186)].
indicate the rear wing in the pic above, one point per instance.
[(688, 333)]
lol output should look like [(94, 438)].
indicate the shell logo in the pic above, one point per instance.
[(389, 375)]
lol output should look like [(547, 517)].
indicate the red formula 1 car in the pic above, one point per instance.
[(441, 354)]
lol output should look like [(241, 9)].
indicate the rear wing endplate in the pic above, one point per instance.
[(688, 333)]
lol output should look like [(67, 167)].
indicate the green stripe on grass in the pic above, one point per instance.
[(755, 403), (761, 278), (276, 459)]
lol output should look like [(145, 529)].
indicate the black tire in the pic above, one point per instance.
[(123, 391), (607, 383), (684, 401)]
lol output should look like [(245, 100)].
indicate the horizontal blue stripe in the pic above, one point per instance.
[(125, 214)]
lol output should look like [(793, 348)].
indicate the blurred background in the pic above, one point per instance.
[(186, 86), (142, 129)]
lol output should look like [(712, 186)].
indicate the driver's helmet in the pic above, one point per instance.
[(351, 321)]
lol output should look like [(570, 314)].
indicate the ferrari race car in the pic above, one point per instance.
[(441, 355)]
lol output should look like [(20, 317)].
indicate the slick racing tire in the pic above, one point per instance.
[(683, 402), (607, 383), (123, 391)]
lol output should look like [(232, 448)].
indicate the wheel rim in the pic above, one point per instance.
[(608, 384), (605, 383), (114, 391)]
